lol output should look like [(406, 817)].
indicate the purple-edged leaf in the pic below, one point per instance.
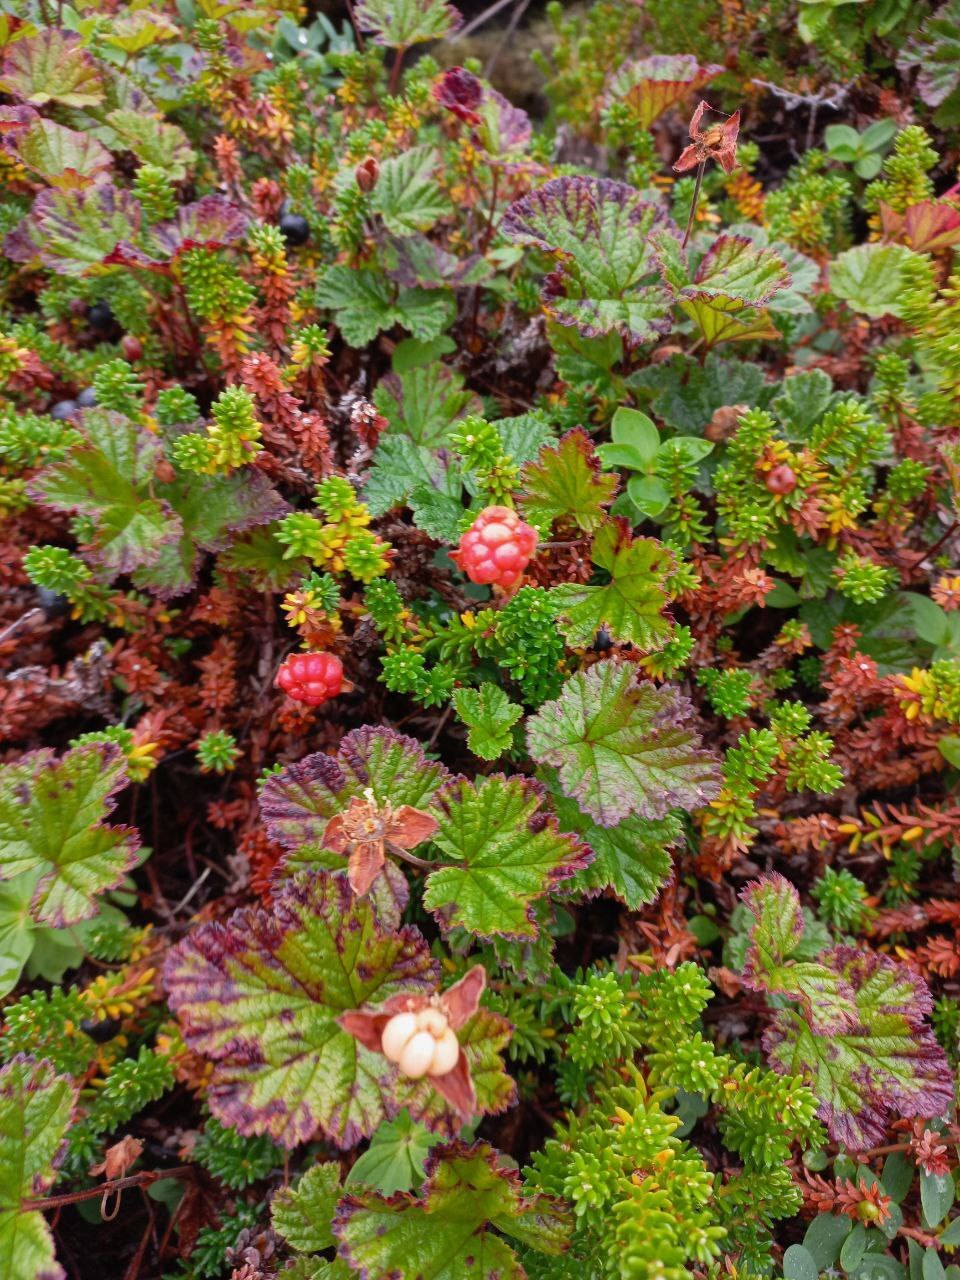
[(885, 1066), (109, 479), (446, 1232), (503, 129), (260, 997), (36, 1106), (398, 24), (72, 231), (735, 268), (935, 53), (63, 157), (621, 746), (566, 482), (630, 605), (631, 860), (211, 510), (299, 801), (608, 275), (52, 825), (827, 1000), (208, 223), (649, 86), (505, 853), (51, 66), (152, 140)]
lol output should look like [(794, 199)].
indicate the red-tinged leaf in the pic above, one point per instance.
[(650, 86), (51, 66), (72, 231), (261, 995), (566, 482), (928, 227), (208, 223), (599, 231), (64, 158), (14, 122), (448, 1231)]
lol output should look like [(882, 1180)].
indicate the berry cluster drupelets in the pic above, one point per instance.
[(312, 678), (497, 548), (421, 1043)]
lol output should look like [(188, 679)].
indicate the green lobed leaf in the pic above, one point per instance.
[(872, 278), (396, 1157), (608, 278), (109, 478), (303, 1214), (62, 157), (51, 824), (565, 482), (72, 231), (445, 1232), (260, 996), (630, 606), (507, 853), (366, 303), (424, 402), (623, 747), (650, 86), (51, 66), (398, 24), (490, 717), (407, 195), (36, 1106)]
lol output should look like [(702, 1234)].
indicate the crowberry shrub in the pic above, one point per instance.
[(497, 548)]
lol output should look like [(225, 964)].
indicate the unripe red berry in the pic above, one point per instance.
[(781, 480), (131, 347), (366, 174), (312, 678), (496, 548)]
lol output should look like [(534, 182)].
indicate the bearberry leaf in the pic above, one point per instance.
[(365, 303), (631, 860), (260, 996), (859, 1038), (299, 801), (35, 1111), (448, 1231), (398, 24), (490, 717), (650, 86), (51, 823), (72, 231), (630, 606), (303, 1214), (623, 747), (109, 478), (51, 66), (408, 196), (608, 276), (507, 853), (566, 482)]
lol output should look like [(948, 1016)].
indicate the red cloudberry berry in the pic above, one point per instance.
[(312, 678), (496, 548), (781, 480)]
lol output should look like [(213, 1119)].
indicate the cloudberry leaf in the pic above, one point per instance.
[(622, 747), (303, 1214), (51, 66), (72, 231), (629, 606), (259, 996), (507, 853), (608, 276), (151, 139), (859, 1038), (490, 717), (872, 278), (395, 1159), (51, 825), (631, 860), (208, 223), (447, 1232), (566, 482), (650, 86), (365, 304), (110, 479), (398, 24), (408, 196), (299, 801), (63, 157), (36, 1106), (935, 51), (729, 289), (424, 402)]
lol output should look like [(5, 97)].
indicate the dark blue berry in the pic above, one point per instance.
[(101, 319), (87, 398), (53, 604), (294, 229), (64, 409)]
